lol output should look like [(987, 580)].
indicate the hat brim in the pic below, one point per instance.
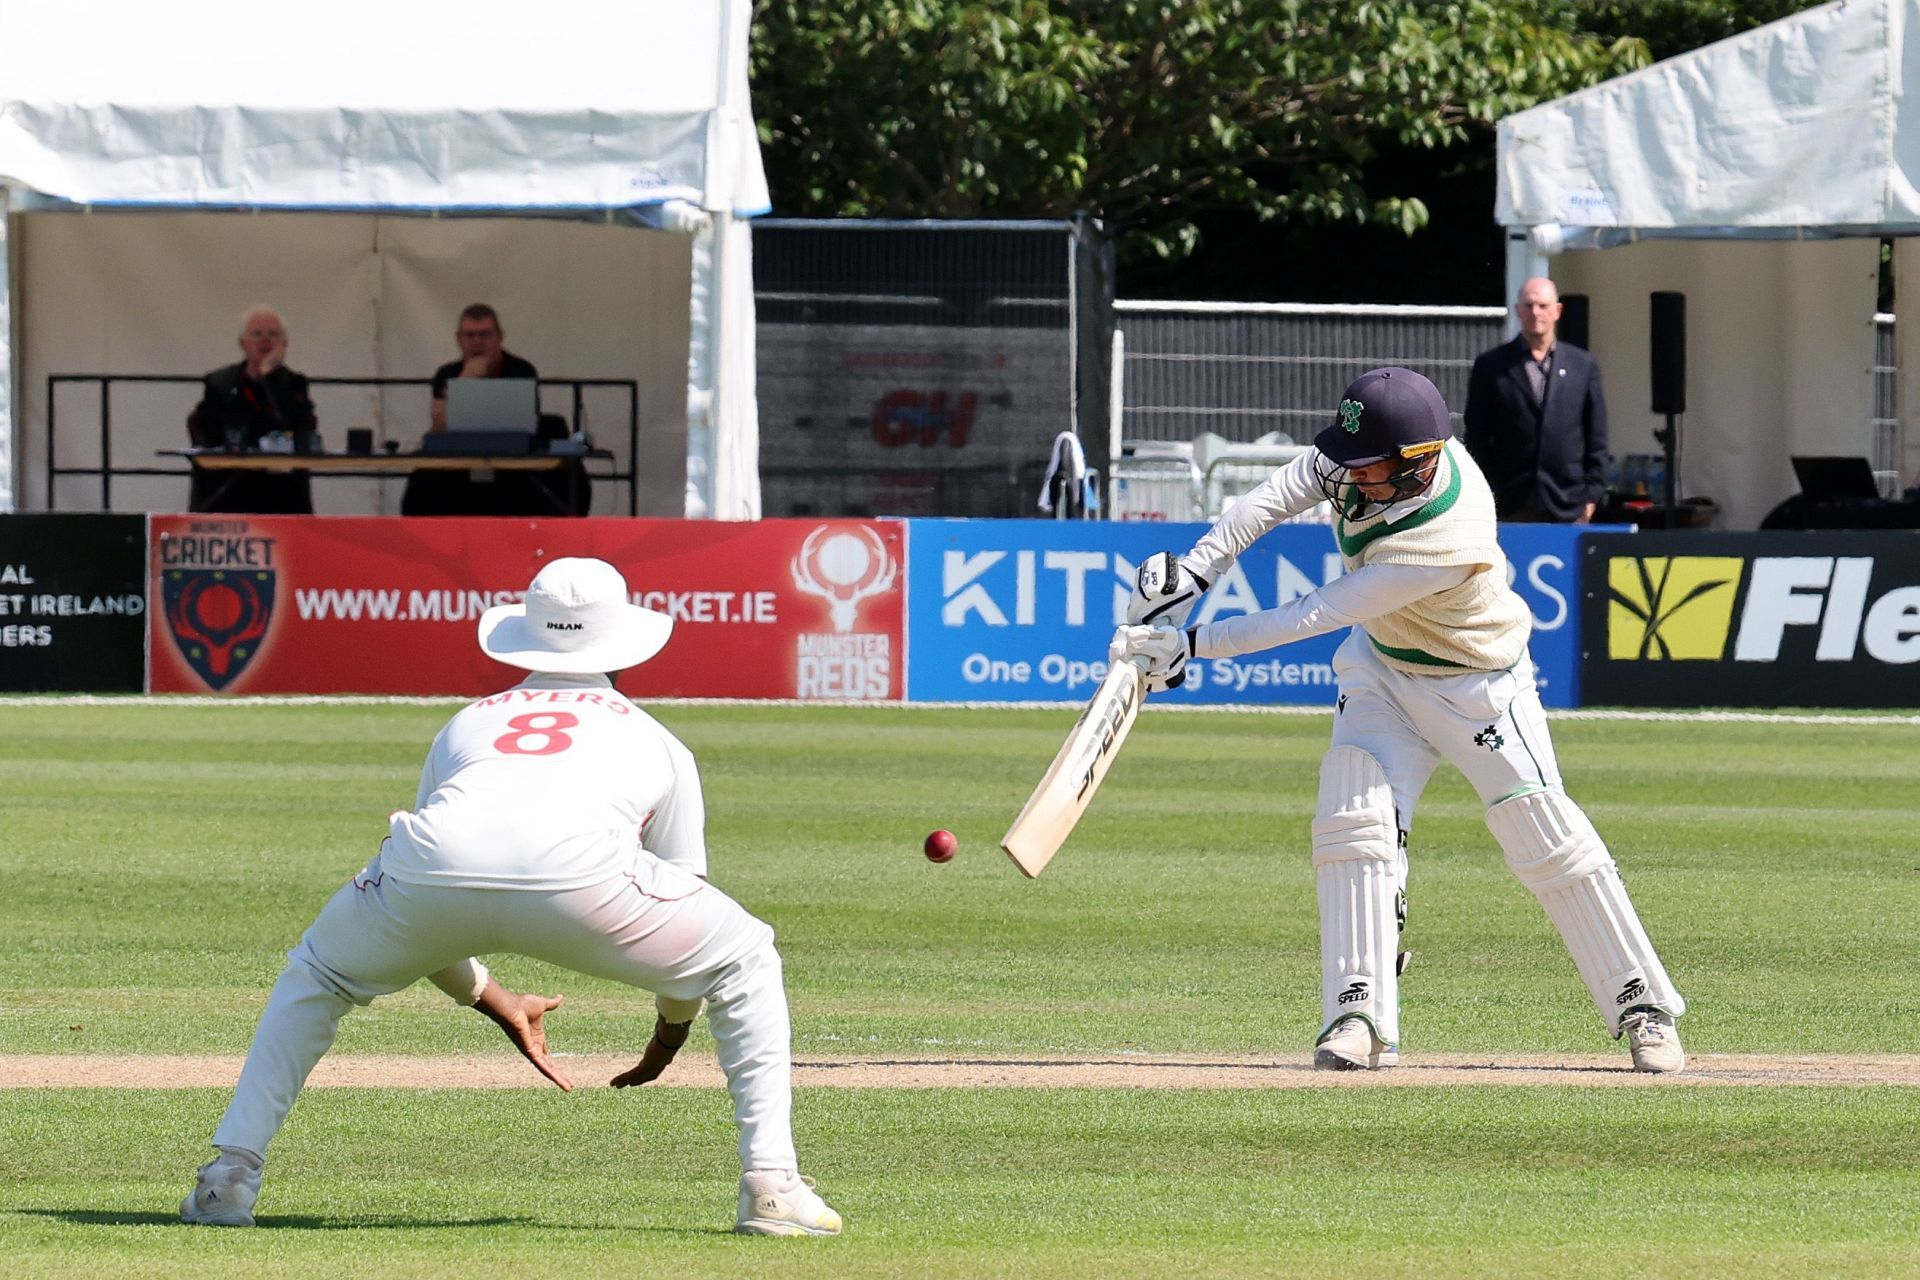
[(634, 635), (1337, 445)]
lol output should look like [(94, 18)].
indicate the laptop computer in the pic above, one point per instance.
[(1833, 479), (493, 404)]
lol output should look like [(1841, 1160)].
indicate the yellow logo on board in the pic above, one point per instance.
[(1672, 607)]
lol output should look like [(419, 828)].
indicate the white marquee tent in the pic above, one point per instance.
[(177, 121), (1755, 175)]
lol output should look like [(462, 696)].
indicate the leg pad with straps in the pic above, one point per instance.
[(1358, 869), (1554, 850)]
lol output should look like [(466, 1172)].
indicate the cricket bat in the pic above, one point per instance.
[(1056, 804)]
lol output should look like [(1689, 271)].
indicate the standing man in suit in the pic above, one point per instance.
[(1536, 418), (240, 405)]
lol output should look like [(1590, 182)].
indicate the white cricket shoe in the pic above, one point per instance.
[(779, 1202), (1653, 1040), (224, 1192), (1350, 1045)]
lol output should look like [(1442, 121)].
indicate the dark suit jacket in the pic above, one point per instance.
[(1545, 461), (235, 409)]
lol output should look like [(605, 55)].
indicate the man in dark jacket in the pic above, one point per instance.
[(242, 404), (1536, 418)]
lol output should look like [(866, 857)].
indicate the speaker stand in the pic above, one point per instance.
[(1668, 438)]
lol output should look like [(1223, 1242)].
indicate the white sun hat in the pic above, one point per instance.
[(576, 619)]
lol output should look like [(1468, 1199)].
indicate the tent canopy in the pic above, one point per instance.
[(575, 107), (575, 104), (1800, 128)]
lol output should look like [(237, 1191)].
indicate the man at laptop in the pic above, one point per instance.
[(483, 354)]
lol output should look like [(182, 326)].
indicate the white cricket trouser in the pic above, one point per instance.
[(657, 928), (1489, 725)]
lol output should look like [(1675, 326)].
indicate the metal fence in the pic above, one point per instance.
[(1886, 406), (1210, 388), (1245, 371), (920, 368), (1218, 373)]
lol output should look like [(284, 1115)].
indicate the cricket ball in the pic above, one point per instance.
[(940, 846)]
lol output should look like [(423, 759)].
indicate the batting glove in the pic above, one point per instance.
[(1164, 591), (1164, 651)]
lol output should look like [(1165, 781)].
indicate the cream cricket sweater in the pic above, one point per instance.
[(1479, 625)]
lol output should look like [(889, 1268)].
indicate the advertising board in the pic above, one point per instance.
[(1752, 620), (1022, 610), (807, 609)]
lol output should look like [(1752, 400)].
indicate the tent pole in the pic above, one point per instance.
[(724, 501), (1524, 262), (7, 440)]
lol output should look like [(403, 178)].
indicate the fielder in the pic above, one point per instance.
[(556, 820), (1435, 667)]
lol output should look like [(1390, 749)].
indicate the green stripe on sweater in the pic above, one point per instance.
[(1436, 507)]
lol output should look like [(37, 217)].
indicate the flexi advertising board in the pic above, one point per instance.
[(1022, 610), (809, 609), (73, 602), (1752, 620)]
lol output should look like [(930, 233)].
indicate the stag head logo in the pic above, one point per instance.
[(218, 618), (843, 567)]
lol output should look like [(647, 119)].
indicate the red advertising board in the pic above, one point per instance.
[(318, 604)]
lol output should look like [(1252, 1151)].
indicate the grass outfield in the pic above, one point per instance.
[(160, 860)]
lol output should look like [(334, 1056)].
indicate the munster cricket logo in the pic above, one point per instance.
[(218, 618), (843, 566)]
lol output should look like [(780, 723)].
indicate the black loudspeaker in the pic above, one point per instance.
[(1669, 352), (1574, 314)]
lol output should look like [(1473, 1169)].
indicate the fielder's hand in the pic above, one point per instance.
[(1165, 651), (1164, 591), (667, 1039), (520, 1016)]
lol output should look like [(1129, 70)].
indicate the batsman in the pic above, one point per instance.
[(1434, 666)]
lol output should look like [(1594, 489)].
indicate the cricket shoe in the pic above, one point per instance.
[(224, 1192), (1351, 1045), (779, 1202), (1655, 1043)]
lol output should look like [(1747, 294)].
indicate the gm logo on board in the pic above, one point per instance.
[(1680, 608)]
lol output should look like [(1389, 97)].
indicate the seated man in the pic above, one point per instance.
[(483, 354), (241, 404)]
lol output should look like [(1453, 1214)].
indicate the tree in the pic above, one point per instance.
[(1149, 113), (1671, 27)]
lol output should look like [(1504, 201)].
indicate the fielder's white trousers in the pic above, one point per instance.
[(654, 927)]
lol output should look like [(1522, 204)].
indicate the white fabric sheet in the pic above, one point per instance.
[(486, 104), (1806, 122)]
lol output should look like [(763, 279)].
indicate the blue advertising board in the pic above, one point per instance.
[(1022, 610)]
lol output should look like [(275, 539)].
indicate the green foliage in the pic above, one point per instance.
[(1671, 27), (1143, 111)]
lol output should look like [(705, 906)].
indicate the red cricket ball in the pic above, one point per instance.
[(940, 846)]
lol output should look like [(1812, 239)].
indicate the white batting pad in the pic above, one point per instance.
[(1357, 867), (1554, 850)]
